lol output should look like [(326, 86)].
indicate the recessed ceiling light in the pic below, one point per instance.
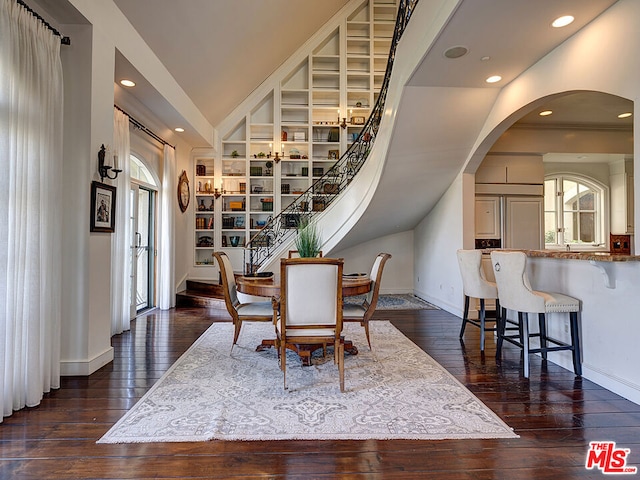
[(456, 52), (493, 79), (179, 129), (625, 115), (562, 21), (545, 113), (127, 83)]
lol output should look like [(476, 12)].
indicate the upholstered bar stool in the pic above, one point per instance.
[(475, 285), (515, 293)]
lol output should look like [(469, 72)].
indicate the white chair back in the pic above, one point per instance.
[(474, 282), (514, 290), (313, 294)]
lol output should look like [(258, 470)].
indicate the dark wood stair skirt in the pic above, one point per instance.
[(201, 293)]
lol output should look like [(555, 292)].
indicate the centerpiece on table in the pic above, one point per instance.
[(308, 239)]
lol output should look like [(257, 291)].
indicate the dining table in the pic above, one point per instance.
[(269, 286)]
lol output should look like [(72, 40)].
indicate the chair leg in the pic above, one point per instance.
[(482, 320), (575, 342), (542, 322), (236, 332), (523, 320), (366, 332), (340, 347), (283, 362), (465, 315)]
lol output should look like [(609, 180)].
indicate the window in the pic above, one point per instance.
[(573, 211)]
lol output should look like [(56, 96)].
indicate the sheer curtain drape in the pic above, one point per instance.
[(167, 294), (30, 208), (121, 239)]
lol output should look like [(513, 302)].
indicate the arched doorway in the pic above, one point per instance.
[(143, 195)]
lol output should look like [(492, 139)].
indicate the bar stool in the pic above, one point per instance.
[(515, 293), (475, 285)]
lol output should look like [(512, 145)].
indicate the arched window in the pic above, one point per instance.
[(140, 172), (574, 209)]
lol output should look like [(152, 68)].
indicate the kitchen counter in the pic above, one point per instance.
[(592, 256), (564, 255), (607, 287)]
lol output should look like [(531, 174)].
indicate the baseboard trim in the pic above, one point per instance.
[(70, 368)]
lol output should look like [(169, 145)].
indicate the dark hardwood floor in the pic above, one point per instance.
[(555, 414)]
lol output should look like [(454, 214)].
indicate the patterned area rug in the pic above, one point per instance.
[(404, 301), (395, 392)]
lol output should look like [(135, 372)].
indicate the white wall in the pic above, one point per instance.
[(397, 276), (436, 239)]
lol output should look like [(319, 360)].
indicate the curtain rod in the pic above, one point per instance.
[(140, 126), (63, 40)]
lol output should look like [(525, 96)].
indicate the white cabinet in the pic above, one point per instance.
[(621, 185), (524, 221), (487, 215), (513, 169)]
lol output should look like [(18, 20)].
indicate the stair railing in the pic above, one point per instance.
[(281, 228)]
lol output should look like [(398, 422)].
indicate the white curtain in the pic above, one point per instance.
[(121, 241), (166, 256), (30, 208)]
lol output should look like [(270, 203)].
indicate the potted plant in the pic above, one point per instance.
[(268, 164), (308, 239), (235, 154)]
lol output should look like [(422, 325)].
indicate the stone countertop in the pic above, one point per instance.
[(592, 256)]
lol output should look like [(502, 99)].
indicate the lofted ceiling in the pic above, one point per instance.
[(219, 51)]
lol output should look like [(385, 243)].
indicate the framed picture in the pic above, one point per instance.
[(103, 207), (358, 120), (334, 154)]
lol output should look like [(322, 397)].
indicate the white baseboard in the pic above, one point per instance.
[(85, 367)]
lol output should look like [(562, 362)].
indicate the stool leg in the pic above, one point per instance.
[(575, 342), (465, 315), (542, 322), (482, 319), (523, 320), (501, 319)]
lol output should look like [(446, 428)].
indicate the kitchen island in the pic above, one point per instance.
[(608, 286)]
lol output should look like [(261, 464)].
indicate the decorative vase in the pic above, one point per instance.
[(201, 207)]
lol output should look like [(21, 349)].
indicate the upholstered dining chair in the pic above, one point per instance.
[(310, 308), (475, 285), (363, 312), (240, 312), (515, 293)]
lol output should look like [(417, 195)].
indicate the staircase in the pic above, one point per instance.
[(202, 294)]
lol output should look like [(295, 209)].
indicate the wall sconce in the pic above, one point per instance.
[(103, 169), (216, 193), (344, 122), (277, 158)]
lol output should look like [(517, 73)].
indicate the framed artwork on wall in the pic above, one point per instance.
[(103, 207)]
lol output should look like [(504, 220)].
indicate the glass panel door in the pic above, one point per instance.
[(143, 248)]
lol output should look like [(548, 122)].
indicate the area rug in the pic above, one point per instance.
[(395, 392), (404, 301)]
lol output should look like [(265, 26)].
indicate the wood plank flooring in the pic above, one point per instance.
[(555, 414)]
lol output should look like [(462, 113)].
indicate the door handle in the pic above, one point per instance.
[(138, 239)]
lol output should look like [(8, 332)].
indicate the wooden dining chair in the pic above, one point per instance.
[(363, 312), (310, 307), (240, 312)]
